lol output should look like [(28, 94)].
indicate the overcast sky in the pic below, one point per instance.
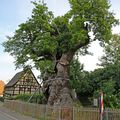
[(15, 12)]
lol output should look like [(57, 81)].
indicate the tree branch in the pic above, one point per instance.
[(80, 44), (43, 54)]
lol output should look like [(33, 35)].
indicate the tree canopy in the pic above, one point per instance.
[(112, 51), (106, 78), (43, 36)]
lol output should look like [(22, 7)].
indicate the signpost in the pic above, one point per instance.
[(101, 106)]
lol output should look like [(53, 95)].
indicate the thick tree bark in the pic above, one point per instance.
[(60, 93), (58, 89)]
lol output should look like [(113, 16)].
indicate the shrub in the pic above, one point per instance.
[(37, 98), (1, 99)]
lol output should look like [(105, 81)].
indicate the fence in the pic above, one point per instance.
[(45, 112)]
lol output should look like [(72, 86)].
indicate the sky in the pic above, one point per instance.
[(15, 12)]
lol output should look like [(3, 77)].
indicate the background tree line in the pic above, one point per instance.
[(105, 78)]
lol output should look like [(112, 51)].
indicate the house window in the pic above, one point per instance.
[(21, 88)]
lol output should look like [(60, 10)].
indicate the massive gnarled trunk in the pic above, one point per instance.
[(60, 93)]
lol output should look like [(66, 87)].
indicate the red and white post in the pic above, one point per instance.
[(101, 106)]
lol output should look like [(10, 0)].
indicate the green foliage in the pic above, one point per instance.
[(89, 84), (111, 72), (42, 36), (23, 97), (37, 98), (96, 13), (78, 78), (108, 90), (112, 101), (43, 39), (2, 99), (107, 80), (112, 51), (32, 36), (43, 118)]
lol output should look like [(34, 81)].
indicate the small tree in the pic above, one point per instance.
[(53, 41)]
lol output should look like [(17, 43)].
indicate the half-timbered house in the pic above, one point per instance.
[(22, 83)]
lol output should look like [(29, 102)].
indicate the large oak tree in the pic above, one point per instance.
[(53, 41)]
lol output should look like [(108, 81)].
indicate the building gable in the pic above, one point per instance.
[(22, 82)]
